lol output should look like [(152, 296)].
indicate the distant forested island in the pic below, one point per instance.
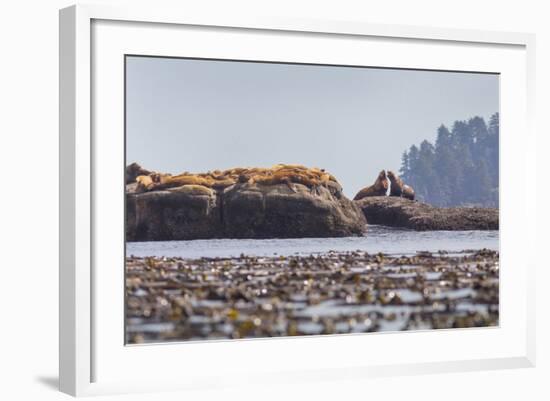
[(461, 169)]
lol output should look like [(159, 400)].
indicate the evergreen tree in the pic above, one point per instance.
[(411, 177), (404, 164), (493, 133), (483, 182), (462, 167), (444, 161)]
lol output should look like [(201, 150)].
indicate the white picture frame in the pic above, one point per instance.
[(93, 360)]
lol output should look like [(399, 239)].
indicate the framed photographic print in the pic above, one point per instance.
[(276, 198)]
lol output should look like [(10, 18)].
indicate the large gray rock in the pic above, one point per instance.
[(401, 212), (277, 211), (243, 210), (177, 213)]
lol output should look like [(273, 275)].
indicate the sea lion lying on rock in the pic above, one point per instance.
[(133, 171), (197, 190), (287, 174), (408, 192), (379, 188), (399, 188)]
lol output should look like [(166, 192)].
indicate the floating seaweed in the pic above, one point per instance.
[(175, 299)]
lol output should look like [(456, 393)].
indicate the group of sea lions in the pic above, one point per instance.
[(287, 174), (380, 187), (220, 179)]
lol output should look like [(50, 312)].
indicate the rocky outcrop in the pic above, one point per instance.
[(402, 212), (251, 207), (176, 213)]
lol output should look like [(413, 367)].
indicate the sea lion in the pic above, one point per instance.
[(396, 184), (407, 192), (379, 188), (285, 175), (399, 188), (193, 190), (145, 182), (223, 183), (133, 171), (188, 179)]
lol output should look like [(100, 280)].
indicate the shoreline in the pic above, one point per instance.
[(177, 299)]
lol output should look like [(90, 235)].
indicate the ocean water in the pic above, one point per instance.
[(378, 239)]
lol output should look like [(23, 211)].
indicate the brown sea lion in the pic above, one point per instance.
[(193, 190), (379, 188), (145, 182), (133, 171), (408, 192), (399, 188), (223, 183), (396, 184), (187, 179)]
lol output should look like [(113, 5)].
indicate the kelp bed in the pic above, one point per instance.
[(174, 299)]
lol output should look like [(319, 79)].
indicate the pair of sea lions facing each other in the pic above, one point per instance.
[(380, 187)]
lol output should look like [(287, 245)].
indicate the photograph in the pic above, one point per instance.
[(273, 199)]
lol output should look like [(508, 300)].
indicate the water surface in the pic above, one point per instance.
[(378, 239)]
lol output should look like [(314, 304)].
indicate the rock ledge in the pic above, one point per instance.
[(401, 212)]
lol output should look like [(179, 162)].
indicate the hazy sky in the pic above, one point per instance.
[(200, 115)]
